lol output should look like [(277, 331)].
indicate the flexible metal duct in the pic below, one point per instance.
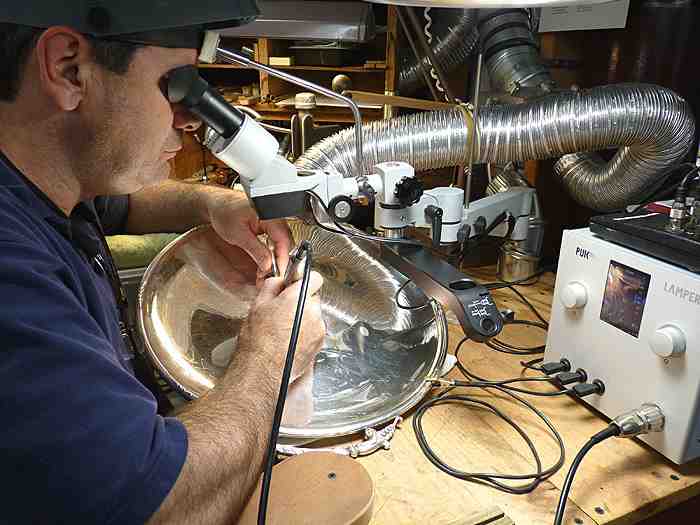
[(511, 53), (453, 41), (652, 126)]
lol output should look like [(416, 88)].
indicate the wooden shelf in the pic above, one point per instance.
[(330, 69), (321, 114)]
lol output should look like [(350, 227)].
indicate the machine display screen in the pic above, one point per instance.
[(625, 296)]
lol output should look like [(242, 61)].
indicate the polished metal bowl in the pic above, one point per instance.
[(376, 355)]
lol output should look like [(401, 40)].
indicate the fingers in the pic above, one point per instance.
[(281, 236), (270, 289), (315, 283), (257, 251)]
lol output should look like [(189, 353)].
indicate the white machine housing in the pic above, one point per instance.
[(631, 321), (519, 202)]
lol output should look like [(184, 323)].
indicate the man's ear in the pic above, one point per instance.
[(63, 56)]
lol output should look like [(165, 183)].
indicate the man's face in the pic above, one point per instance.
[(133, 129)]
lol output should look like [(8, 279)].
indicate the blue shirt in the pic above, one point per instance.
[(80, 438)]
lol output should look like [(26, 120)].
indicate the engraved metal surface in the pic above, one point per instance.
[(376, 356)]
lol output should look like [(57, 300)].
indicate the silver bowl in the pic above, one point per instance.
[(375, 358)]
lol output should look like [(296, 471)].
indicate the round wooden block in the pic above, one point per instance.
[(315, 488)]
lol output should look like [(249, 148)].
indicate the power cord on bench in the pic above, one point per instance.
[(496, 480), (645, 419)]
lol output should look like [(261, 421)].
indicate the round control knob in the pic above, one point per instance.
[(574, 295), (408, 191), (668, 341)]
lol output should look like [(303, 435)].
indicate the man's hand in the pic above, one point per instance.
[(176, 207), (238, 224), (269, 325), (228, 428)]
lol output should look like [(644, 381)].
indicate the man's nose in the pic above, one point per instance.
[(185, 119)]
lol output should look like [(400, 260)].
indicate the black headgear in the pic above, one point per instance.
[(165, 23)]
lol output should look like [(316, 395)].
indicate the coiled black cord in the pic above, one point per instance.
[(496, 480), (286, 376), (508, 348)]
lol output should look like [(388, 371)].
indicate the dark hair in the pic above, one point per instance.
[(16, 42)]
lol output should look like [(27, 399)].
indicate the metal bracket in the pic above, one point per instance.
[(374, 440)]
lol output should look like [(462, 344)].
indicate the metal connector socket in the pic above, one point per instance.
[(645, 419)]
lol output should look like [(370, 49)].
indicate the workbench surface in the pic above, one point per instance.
[(620, 481)]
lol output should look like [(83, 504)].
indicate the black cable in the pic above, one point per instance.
[(405, 307), (530, 306), (504, 348), (342, 231), (509, 348), (686, 179), (472, 243), (477, 381), (286, 375), (530, 365), (658, 187), (660, 193), (497, 221), (485, 478), (608, 432)]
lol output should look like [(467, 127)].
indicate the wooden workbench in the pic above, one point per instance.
[(621, 481)]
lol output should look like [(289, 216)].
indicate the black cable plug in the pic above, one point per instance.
[(587, 389), (566, 378), (563, 365)]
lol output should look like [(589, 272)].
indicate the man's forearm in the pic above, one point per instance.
[(171, 207), (227, 433)]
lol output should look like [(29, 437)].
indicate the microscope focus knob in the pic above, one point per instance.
[(574, 296), (668, 341), (408, 191), (341, 208)]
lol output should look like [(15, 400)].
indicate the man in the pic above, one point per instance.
[(83, 117)]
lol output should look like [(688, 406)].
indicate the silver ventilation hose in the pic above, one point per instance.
[(424, 140), (511, 52), (651, 125), (452, 44)]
